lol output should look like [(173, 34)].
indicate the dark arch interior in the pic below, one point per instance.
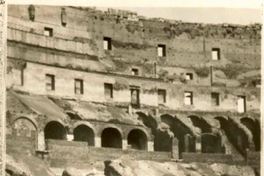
[(148, 121), (111, 137), (235, 135), (211, 143), (254, 127), (181, 132), (137, 139), (162, 141), (84, 133), (201, 123), (55, 130)]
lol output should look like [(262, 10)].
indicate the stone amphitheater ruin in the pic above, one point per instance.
[(113, 93)]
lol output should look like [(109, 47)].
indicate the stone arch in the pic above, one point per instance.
[(148, 121), (137, 139), (182, 132), (27, 131), (201, 123), (84, 133), (111, 137), (254, 128), (25, 123), (54, 130), (235, 135)]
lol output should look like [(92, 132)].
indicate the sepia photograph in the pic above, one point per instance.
[(132, 91)]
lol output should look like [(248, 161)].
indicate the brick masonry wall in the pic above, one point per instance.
[(20, 144), (65, 152)]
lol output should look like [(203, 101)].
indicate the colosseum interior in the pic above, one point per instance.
[(88, 89)]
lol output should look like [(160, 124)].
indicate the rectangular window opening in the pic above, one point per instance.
[(78, 86), (241, 103), (50, 82), (22, 77), (135, 71), (161, 96), (188, 98), (135, 99), (189, 76), (215, 99), (48, 31), (107, 43), (108, 90), (215, 53), (161, 50)]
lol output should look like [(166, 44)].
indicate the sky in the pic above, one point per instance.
[(202, 11), (199, 14)]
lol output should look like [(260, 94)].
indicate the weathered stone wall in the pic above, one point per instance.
[(34, 82), (187, 44), (65, 153)]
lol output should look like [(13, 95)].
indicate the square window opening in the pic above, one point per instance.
[(48, 31), (215, 99), (188, 98), (161, 50), (108, 90), (241, 104), (78, 86), (161, 96), (50, 82), (215, 53), (189, 76), (107, 43), (135, 97), (135, 71)]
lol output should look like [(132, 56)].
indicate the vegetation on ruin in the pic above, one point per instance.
[(120, 44), (120, 85), (150, 91), (202, 71), (233, 70)]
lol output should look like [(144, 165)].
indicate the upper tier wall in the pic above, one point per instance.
[(135, 40)]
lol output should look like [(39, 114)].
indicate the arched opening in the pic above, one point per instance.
[(201, 123), (254, 128), (26, 130), (162, 141), (24, 127), (111, 137), (211, 143), (55, 130), (137, 139), (181, 132), (235, 135), (148, 121), (84, 133)]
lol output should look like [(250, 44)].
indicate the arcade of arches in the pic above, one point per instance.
[(137, 139)]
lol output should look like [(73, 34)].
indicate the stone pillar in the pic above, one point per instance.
[(69, 137), (175, 148), (187, 143), (198, 144), (97, 141), (150, 146), (41, 141), (129, 109), (124, 144)]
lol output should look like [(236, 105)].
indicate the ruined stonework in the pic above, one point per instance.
[(92, 90), (2, 85)]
